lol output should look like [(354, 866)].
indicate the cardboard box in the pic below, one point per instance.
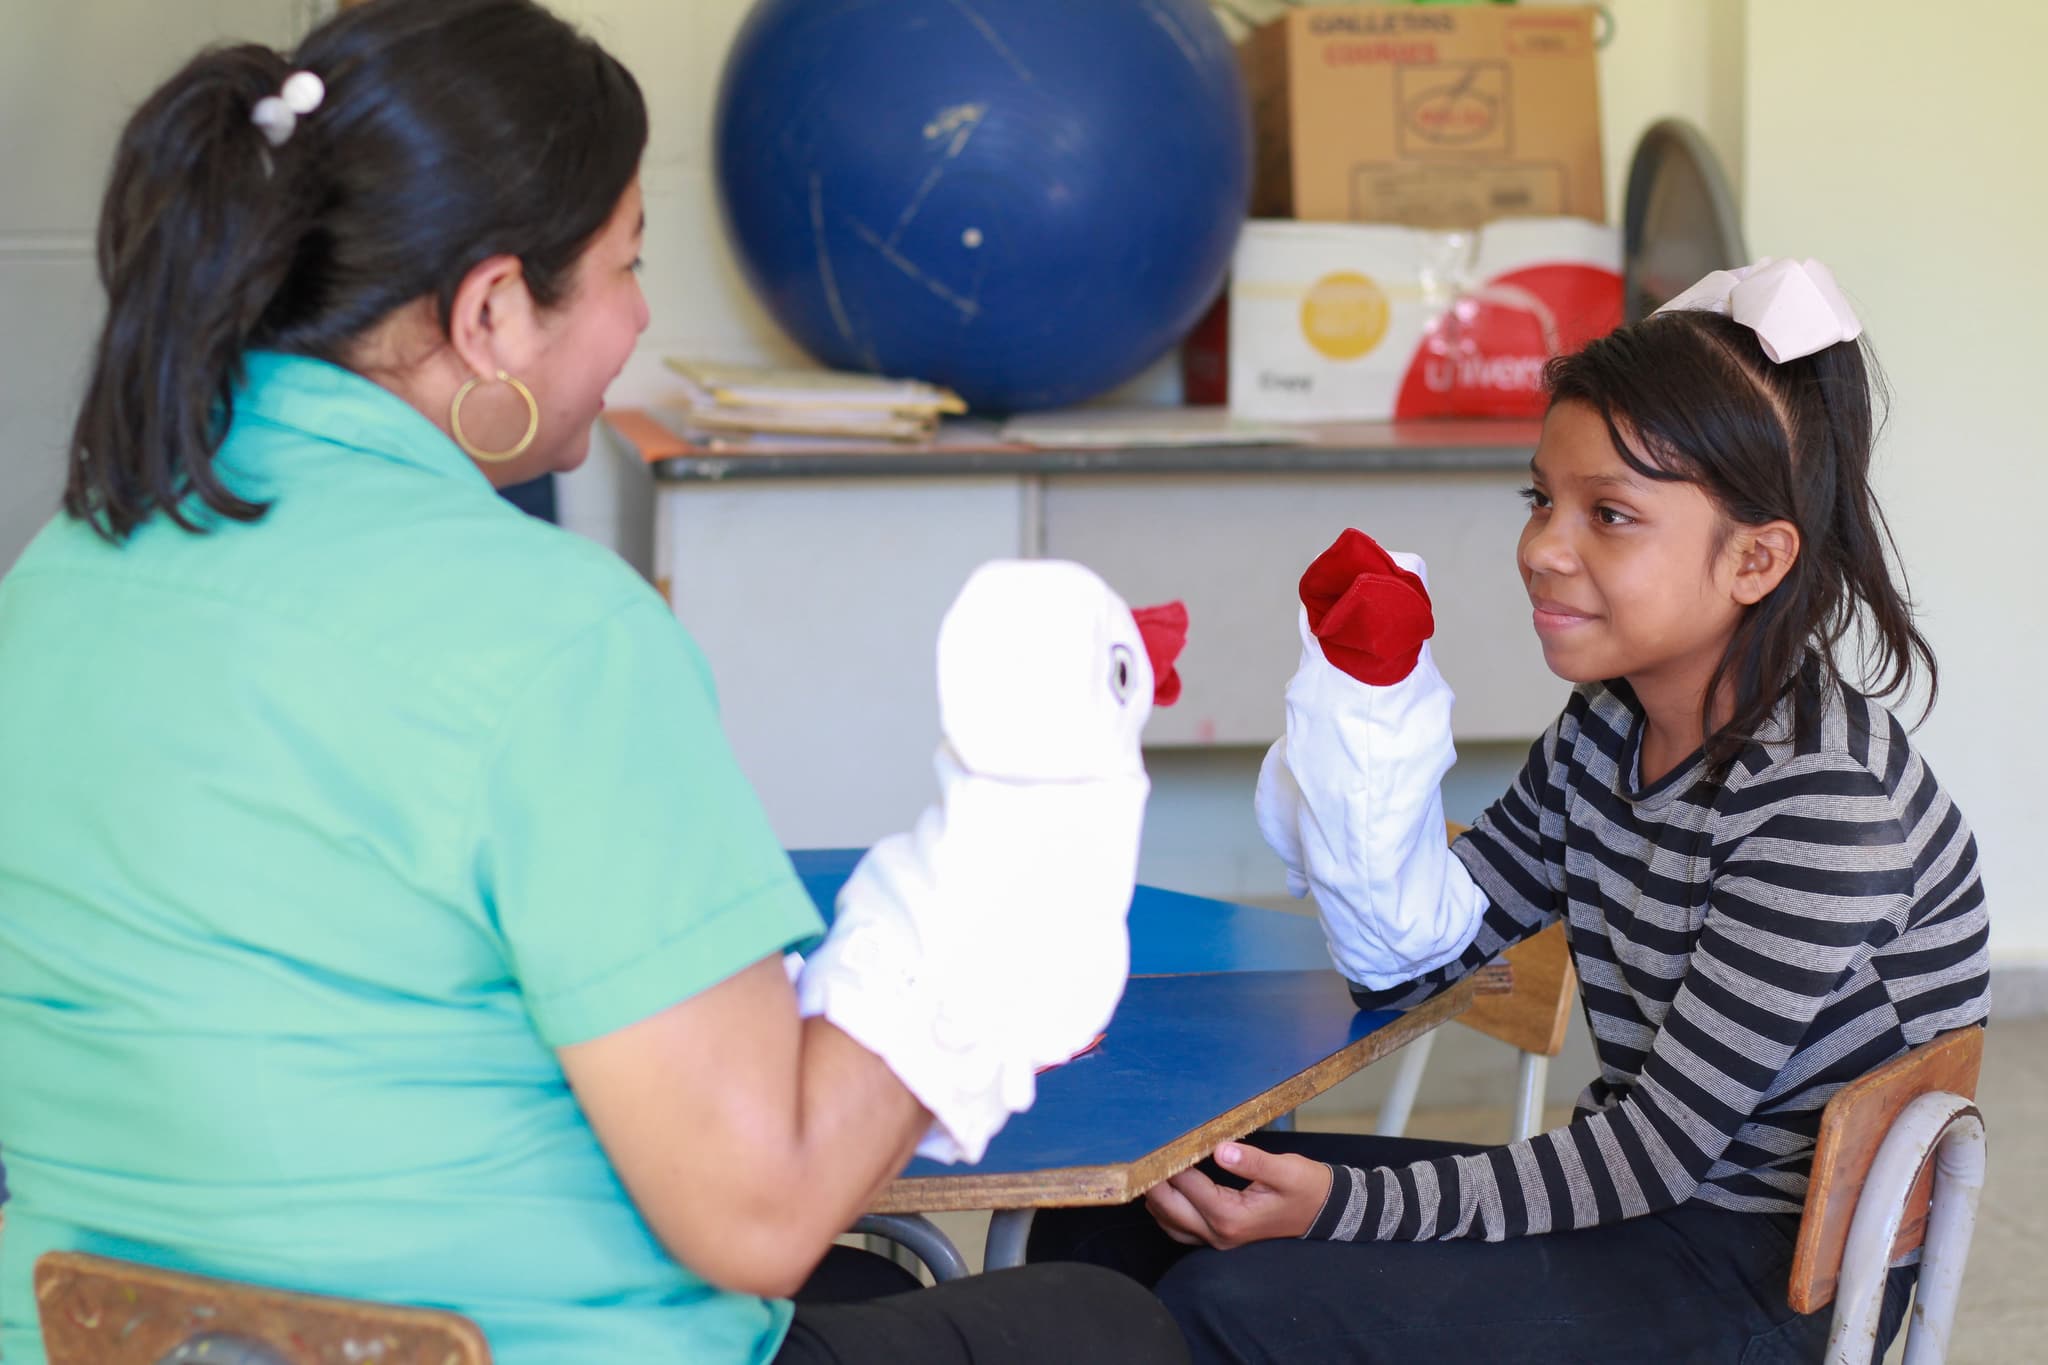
[(1427, 115), (1363, 321)]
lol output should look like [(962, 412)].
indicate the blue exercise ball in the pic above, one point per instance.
[(1026, 200)]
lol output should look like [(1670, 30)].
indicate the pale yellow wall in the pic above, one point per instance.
[(1860, 131), (1670, 58), (1855, 130), (1910, 151), (700, 304), (69, 77)]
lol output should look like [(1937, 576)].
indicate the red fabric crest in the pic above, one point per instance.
[(1164, 629), (1369, 614)]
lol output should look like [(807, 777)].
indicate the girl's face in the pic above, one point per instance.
[(1629, 577)]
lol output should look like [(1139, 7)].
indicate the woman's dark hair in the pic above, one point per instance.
[(1690, 396), (451, 131)]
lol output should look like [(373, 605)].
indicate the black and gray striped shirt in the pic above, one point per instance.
[(1744, 949)]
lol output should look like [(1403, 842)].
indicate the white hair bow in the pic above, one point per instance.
[(276, 115), (1794, 307)]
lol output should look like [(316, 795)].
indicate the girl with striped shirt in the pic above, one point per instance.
[(1765, 891)]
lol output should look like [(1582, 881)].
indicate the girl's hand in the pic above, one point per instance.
[(1285, 1195)]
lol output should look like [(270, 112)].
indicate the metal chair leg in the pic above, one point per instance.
[(891, 1250), (1008, 1230), (1400, 1101), (1529, 1077), (1950, 1128), (922, 1236), (1951, 1220)]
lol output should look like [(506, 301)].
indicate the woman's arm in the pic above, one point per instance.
[(747, 1137), (752, 1122), (644, 904)]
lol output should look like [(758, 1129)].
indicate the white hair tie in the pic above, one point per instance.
[(1794, 307), (277, 115)]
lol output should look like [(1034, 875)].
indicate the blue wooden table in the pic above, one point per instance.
[(1232, 1019)]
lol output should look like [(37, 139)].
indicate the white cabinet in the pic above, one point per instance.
[(1233, 548), (818, 601)]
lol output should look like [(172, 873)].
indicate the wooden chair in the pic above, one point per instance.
[(97, 1311), (1531, 1018), (1899, 1165)]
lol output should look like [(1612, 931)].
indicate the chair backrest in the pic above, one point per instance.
[(97, 1311), (1534, 1013), (1851, 1129)]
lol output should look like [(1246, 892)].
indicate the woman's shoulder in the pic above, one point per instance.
[(520, 556), (518, 583)]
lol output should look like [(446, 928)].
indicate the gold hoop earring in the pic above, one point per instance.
[(494, 456)]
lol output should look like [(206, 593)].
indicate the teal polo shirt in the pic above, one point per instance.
[(318, 835)]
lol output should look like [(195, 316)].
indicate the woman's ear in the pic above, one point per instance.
[(493, 323), (1764, 555)]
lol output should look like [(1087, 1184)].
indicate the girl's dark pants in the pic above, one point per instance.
[(1694, 1284)]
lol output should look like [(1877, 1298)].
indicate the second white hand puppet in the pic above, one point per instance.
[(990, 941), (1350, 797)]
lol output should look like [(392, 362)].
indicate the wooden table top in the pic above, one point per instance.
[(1233, 1017), (1189, 1061)]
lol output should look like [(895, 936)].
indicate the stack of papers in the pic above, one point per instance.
[(747, 400)]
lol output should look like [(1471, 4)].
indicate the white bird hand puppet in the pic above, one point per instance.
[(1350, 797), (990, 940)]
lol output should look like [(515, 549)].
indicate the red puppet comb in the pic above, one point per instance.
[(1369, 614), (1164, 629)]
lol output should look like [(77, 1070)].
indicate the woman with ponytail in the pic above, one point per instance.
[(382, 912)]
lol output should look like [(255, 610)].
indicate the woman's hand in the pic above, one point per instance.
[(1285, 1195)]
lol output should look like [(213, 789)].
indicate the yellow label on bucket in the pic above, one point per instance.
[(1344, 315)]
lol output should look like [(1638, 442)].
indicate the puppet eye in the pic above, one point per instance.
[(1120, 672)]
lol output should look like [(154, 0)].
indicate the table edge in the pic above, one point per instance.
[(1069, 1186)]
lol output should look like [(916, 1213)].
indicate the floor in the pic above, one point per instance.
[(2004, 1315)]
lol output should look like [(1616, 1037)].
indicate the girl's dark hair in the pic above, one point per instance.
[(451, 131), (1690, 396)]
